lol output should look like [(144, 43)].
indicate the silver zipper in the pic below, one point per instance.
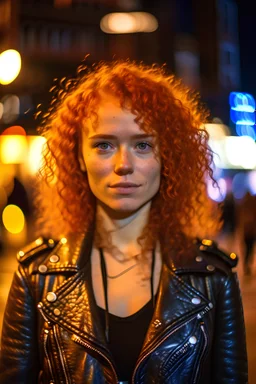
[(202, 354), (206, 309), (181, 351), (46, 334), (78, 340), (60, 354), (160, 342)]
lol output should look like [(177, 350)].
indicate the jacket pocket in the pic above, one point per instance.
[(183, 364)]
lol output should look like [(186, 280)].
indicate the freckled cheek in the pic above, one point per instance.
[(97, 170), (151, 171)]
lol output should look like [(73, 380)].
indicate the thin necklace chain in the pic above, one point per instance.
[(123, 272)]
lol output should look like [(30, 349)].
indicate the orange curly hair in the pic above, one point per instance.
[(181, 209)]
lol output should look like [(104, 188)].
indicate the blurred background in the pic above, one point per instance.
[(207, 43)]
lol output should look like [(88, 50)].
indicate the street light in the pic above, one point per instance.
[(10, 65)]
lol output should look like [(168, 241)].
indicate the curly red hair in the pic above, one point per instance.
[(181, 209)]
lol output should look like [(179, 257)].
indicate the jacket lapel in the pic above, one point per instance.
[(177, 300), (72, 305)]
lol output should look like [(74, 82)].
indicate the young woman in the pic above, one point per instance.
[(120, 288)]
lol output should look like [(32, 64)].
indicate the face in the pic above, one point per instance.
[(120, 159)]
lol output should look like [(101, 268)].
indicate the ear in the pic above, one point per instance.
[(81, 162), (80, 153)]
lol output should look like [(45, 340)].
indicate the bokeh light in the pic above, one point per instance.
[(241, 151), (13, 219), (10, 65), (14, 130), (128, 22), (252, 182), (1, 110), (11, 108), (217, 131), (239, 185), (13, 149), (246, 130), (215, 193), (35, 153)]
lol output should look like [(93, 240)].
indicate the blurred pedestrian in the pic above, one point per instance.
[(248, 229), (229, 218), (130, 294)]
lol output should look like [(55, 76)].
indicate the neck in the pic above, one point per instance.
[(124, 231)]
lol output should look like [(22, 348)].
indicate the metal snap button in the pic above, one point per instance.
[(39, 241), (192, 340), (51, 243), (207, 242), (210, 267), (56, 312), (196, 300), (199, 258), (54, 258), (51, 297), (42, 268), (157, 323)]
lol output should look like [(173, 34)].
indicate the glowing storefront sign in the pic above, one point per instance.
[(242, 113)]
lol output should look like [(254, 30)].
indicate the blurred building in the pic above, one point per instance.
[(207, 50), (197, 39)]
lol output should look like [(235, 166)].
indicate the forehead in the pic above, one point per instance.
[(113, 119)]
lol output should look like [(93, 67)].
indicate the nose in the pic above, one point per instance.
[(123, 162)]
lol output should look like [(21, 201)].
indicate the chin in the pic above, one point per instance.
[(123, 208)]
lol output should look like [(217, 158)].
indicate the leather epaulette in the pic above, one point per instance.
[(211, 247), (34, 248)]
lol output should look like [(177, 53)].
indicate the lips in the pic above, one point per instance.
[(124, 185), (124, 188)]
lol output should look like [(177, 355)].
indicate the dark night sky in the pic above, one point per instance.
[(247, 36)]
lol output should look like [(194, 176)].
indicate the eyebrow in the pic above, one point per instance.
[(104, 136)]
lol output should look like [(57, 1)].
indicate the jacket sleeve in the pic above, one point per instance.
[(230, 355), (19, 360)]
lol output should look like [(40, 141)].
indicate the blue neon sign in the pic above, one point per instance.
[(243, 102), (242, 112)]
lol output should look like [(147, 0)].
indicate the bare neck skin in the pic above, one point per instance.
[(124, 230)]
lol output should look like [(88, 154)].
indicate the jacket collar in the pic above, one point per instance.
[(72, 253), (68, 254)]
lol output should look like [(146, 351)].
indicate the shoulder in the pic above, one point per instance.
[(46, 255), (204, 257), (34, 249), (210, 251)]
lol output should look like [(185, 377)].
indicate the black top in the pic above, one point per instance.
[(126, 337)]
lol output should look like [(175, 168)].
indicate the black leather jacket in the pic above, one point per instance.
[(52, 333)]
